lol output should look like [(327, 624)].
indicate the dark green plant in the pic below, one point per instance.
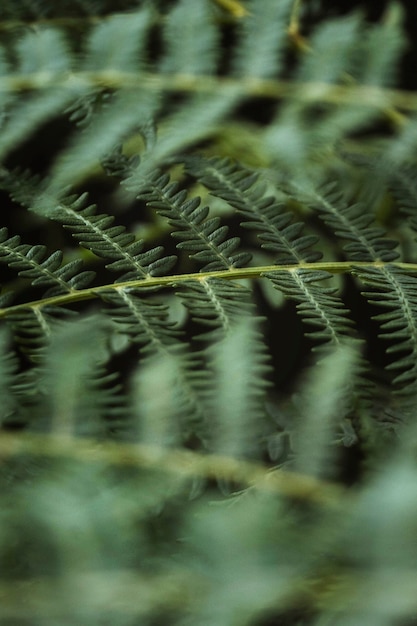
[(180, 179)]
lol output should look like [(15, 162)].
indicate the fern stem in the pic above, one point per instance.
[(361, 95), (186, 463), (333, 267)]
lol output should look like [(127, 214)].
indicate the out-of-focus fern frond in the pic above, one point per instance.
[(198, 52), (32, 328), (8, 374), (117, 45), (263, 36), (240, 372), (324, 402), (36, 64), (78, 393)]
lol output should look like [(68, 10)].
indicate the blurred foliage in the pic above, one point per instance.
[(223, 452)]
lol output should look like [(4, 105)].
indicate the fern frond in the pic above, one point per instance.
[(198, 52), (240, 366), (8, 373), (262, 38), (44, 271), (323, 65), (280, 234), (242, 190), (204, 236), (354, 224), (323, 404), (32, 328), (381, 50), (170, 397), (319, 306), (209, 301), (392, 287), (403, 186), (395, 290), (79, 394), (98, 234), (195, 120), (34, 58), (146, 321), (94, 232), (216, 303)]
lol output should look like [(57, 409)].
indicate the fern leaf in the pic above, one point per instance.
[(194, 26), (217, 304), (210, 301), (117, 44), (36, 63), (403, 186), (118, 117), (396, 291), (44, 271), (240, 366), (8, 374), (334, 45), (148, 323), (262, 39), (195, 120), (32, 328), (381, 50), (323, 405), (202, 235), (242, 190), (98, 234), (352, 223), (392, 289), (169, 393), (80, 395), (319, 306)]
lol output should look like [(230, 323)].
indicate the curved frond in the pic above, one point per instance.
[(241, 367), (8, 374), (319, 306), (32, 327), (197, 232), (36, 65), (210, 301), (352, 222), (241, 188), (44, 271), (396, 291), (98, 234), (263, 36), (80, 395), (198, 52)]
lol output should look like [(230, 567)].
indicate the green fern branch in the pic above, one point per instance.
[(185, 463), (336, 267), (377, 98)]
